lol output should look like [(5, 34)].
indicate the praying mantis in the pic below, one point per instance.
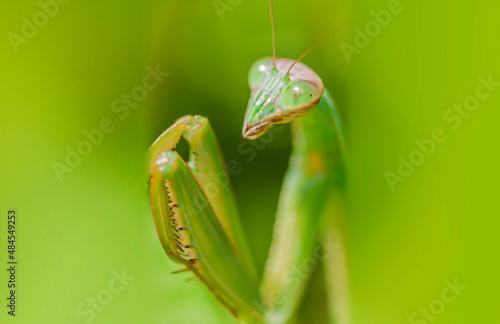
[(201, 229)]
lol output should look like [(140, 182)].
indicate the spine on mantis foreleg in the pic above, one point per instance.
[(315, 169)]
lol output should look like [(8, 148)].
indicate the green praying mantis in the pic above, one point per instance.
[(202, 229)]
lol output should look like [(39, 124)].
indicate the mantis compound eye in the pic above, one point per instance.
[(258, 71), (299, 97)]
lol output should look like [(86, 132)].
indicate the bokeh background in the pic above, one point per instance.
[(77, 231)]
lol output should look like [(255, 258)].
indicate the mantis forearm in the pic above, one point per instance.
[(189, 228)]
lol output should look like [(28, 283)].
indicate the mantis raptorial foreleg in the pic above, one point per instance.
[(192, 226), (206, 161)]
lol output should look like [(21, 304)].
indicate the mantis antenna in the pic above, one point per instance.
[(318, 42), (274, 34)]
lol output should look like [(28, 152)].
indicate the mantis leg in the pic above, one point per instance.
[(207, 164), (316, 168), (189, 222)]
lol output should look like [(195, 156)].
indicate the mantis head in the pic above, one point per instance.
[(281, 91)]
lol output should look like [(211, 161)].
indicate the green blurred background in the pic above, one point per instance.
[(76, 234)]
